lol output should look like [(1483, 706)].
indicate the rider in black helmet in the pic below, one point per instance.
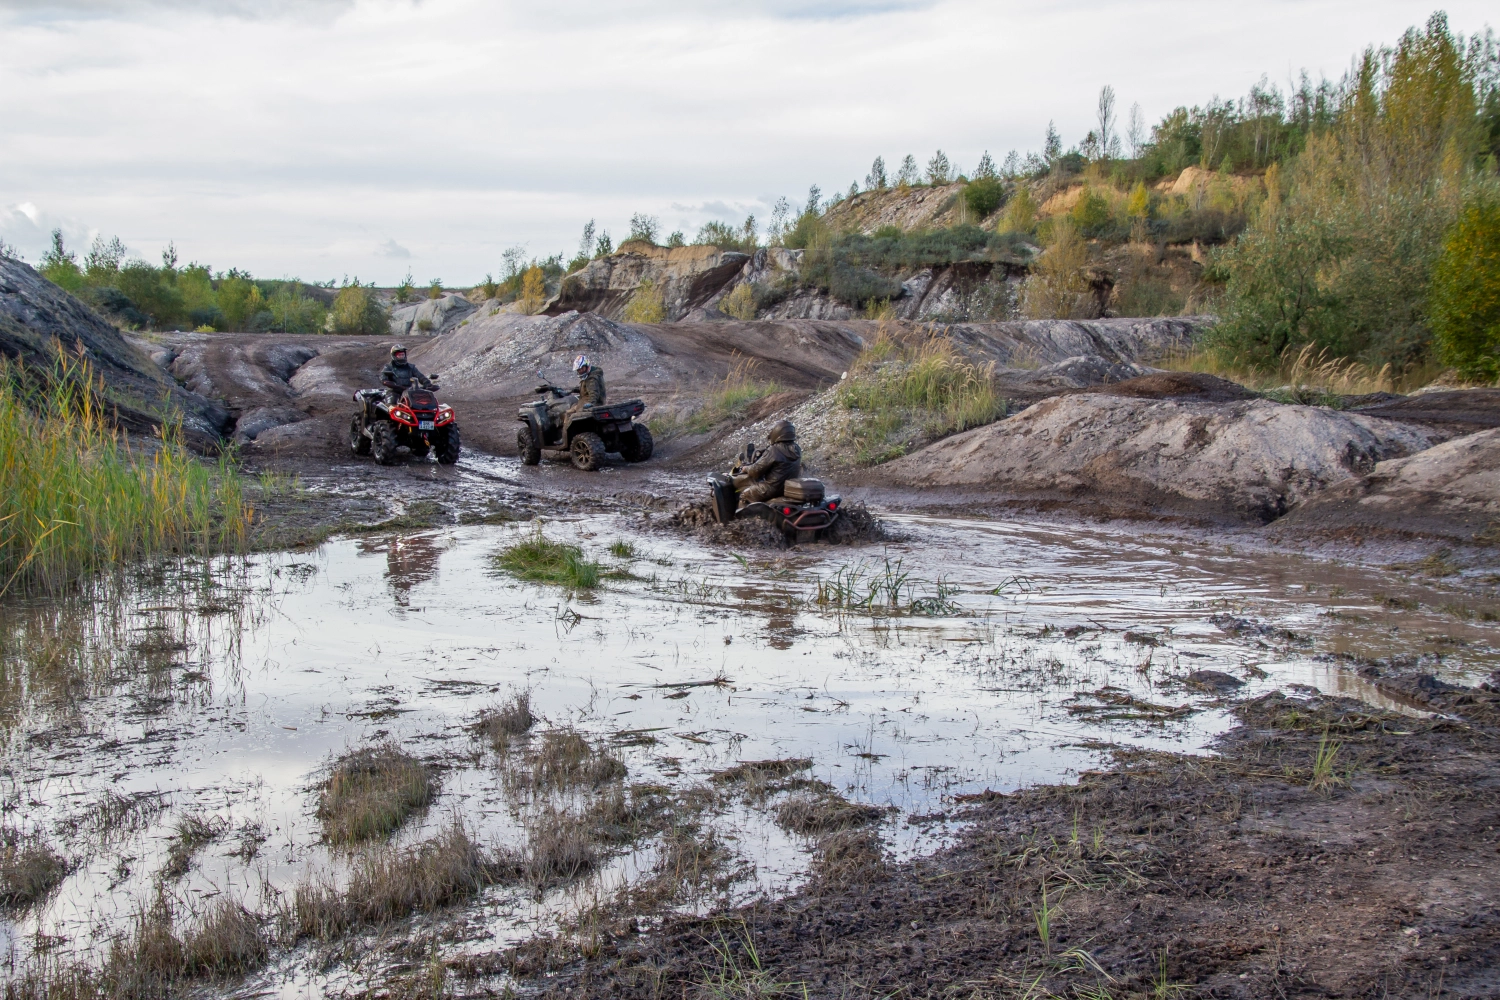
[(399, 374), (765, 478)]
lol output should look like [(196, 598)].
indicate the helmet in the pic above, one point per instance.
[(782, 430), (581, 363), (397, 349)]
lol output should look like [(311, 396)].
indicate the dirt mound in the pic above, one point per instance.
[(1451, 411), (1180, 385), (856, 525), (35, 315), (1249, 460), (1450, 492)]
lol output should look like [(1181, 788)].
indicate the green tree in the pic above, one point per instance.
[(939, 170), (1465, 299), (1091, 212), (238, 300), (983, 195), (60, 265), (356, 310)]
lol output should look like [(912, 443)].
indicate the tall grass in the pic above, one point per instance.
[(1303, 375), (728, 400), (538, 559), (76, 495), (903, 390)]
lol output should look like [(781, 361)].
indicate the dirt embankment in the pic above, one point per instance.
[(37, 317), (1324, 850), (1165, 442)]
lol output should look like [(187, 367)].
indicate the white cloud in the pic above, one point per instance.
[(390, 248), (292, 143)]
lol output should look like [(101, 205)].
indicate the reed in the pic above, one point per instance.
[(77, 495)]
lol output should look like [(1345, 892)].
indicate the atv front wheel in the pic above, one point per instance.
[(448, 447), (588, 451), (358, 443), (383, 442), (637, 445), (528, 446)]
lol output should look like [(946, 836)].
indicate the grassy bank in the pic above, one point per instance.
[(76, 495), (903, 392)]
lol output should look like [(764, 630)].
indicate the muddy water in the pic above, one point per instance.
[(1013, 654)]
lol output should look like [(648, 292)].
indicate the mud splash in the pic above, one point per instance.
[(168, 733)]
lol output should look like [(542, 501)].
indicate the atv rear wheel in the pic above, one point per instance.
[(448, 446), (528, 446), (637, 445), (588, 451), (383, 442), (358, 443)]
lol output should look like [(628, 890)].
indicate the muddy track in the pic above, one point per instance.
[(1253, 873)]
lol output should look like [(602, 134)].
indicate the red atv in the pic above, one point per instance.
[(416, 421)]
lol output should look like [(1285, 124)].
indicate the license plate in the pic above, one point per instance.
[(424, 425)]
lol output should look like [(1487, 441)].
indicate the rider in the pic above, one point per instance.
[(766, 477), (399, 374), (590, 385)]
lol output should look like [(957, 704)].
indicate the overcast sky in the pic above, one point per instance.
[(325, 138)]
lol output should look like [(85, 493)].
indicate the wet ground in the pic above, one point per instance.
[(956, 658)]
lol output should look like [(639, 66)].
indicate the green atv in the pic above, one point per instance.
[(587, 436)]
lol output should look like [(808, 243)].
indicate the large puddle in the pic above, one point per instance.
[(1013, 655)]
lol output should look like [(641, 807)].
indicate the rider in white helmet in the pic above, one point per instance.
[(590, 385)]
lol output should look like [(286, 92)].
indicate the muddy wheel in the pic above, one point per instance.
[(358, 443), (383, 442), (637, 445), (448, 447), (588, 451), (528, 446)]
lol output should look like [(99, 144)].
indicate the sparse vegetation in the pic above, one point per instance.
[(502, 725), (905, 390), (76, 496), (370, 791), (740, 302)]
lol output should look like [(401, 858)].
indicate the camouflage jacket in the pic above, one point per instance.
[(591, 387), (778, 463)]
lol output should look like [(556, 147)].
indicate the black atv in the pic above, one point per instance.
[(586, 436), (802, 514), (416, 421)]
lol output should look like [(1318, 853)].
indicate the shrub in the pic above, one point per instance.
[(1020, 213), (435, 288), (1091, 213), (538, 559), (406, 290), (646, 305), (356, 310), (1465, 301), (533, 290), (984, 195), (740, 302), (1057, 288)]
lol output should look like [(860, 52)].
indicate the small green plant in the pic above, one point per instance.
[(406, 290), (435, 288), (1043, 913), (540, 560), (621, 549), (1323, 777), (747, 979)]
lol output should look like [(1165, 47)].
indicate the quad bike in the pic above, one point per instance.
[(802, 514), (416, 421), (587, 435)]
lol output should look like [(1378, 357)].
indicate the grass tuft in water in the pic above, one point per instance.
[(503, 724), (29, 870), (370, 791), (538, 559), (388, 883)]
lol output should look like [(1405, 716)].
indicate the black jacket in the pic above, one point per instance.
[(400, 375)]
